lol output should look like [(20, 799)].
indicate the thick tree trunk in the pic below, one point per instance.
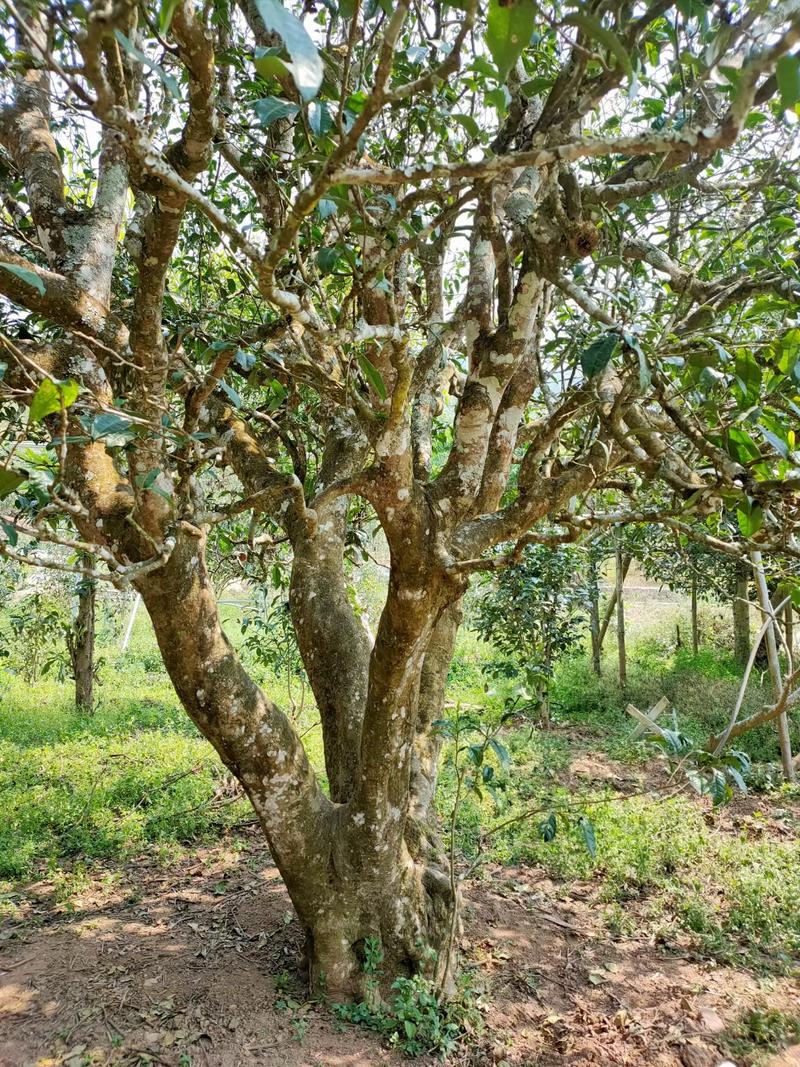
[(80, 644), (351, 869), (428, 742), (333, 641), (741, 615)]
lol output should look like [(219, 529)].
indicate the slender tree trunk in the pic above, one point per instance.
[(80, 643), (594, 615), (741, 615), (695, 622), (621, 653), (774, 666), (612, 603), (788, 625)]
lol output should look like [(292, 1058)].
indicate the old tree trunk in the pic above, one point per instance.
[(288, 290)]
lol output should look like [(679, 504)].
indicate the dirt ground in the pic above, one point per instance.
[(196, 965)]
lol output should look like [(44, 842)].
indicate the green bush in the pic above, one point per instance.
[(415, 1020)]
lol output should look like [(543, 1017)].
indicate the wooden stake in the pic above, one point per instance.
[(788, 625), (647, 722)]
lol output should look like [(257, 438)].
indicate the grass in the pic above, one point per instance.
[(135, 775), (763, 1029), (138, 777), (664, 862)]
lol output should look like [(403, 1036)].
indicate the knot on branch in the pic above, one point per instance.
[(583, 239)]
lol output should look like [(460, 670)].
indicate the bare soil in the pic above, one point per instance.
[(198, 963)]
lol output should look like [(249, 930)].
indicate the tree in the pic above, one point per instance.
[(481, 278), (533, 613), (80, 638), (688, 566)]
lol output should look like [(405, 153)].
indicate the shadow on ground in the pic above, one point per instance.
[(198, 965)]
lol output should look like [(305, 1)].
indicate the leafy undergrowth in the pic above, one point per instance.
[(667, 862), (763, 1029), (703, 689), (415, 1020)]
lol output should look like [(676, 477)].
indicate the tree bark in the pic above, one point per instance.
[(741, 615), (351, 870), (80, 644), (621, 571)]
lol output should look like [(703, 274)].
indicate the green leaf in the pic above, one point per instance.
[(326, 207), (165, 13), (145, 481), (778, 443), (25, 275), (327, 258), (475, 754), (592, 27), (597, 356), (737, 778), (320, 120), (373, 376), (111, 428), (589, 839), (549, 827), (306, 65), (782, 224), (9, 481), (645, 376), (231, 394), (750, 518), (168, 81), (501, 752), (272, 108), (10, 532), (268, 63), (510, 26), (48, 398), (469, 124), (787, 73)]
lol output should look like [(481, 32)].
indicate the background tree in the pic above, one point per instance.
[(80, 637), (465, 274), (533, 613)]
